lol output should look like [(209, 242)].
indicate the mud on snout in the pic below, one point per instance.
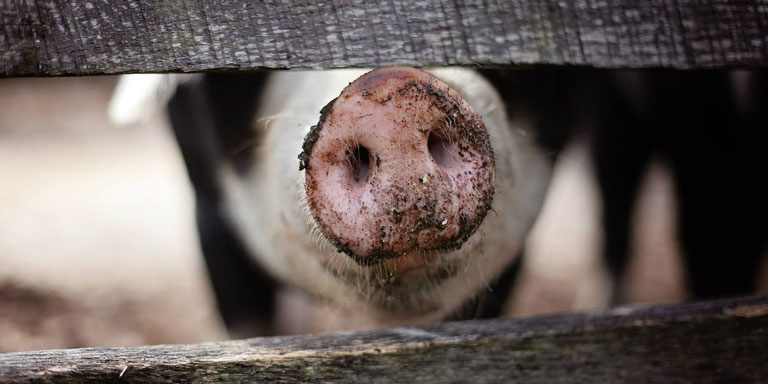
[(399, 168)]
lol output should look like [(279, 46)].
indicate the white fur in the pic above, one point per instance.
[(269, 205)]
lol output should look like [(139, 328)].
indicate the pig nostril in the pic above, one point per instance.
[(359, 159), (441, 149), (424, 185)]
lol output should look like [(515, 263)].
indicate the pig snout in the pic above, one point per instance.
[(399, 164)]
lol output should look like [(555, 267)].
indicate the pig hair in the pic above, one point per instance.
[(352, 151), (261, 125)]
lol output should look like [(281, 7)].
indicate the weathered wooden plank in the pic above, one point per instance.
[(722, 341), (88, 37)]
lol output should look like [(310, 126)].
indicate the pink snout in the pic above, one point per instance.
[(398, 164)]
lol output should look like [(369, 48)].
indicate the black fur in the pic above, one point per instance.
[(212, 122), (715, 147)]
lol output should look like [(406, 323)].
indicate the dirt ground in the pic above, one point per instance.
[(98, 245), (97, 236)]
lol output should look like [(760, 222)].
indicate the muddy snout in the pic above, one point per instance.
[(398, 164)]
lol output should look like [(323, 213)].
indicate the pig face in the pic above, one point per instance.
[(399, 165), (411, 192)]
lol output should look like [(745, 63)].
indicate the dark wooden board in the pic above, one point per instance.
[(723, 341), (91, 37)]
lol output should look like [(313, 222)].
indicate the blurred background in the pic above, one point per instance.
[(98, 245), (97, 238)]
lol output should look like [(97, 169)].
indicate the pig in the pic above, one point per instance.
[(340, 183), (396, 196), (710, 128)]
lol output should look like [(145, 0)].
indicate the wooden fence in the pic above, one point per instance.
[(94, 37), (707, 342), (722, 341)]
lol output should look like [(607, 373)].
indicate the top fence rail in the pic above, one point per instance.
[(94, 37)]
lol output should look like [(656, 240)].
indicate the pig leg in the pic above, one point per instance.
[(718, 156), (621, 147), (211, 120), (544, 100), (711, 131)]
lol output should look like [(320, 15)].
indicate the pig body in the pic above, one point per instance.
[(710, 127), (241, 135)]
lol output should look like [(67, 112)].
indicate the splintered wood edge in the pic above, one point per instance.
[(715, 341), (54, 38)]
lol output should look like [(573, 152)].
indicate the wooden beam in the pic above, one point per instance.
[(93, 37), (723, 341)]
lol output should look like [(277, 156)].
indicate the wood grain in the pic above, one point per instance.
[(723, 341), (91, 37)]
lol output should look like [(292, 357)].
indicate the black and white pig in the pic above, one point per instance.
[(399, 196), (396, 196)]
